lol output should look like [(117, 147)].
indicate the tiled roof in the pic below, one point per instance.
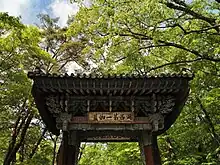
[(95, 84), (108, 76)]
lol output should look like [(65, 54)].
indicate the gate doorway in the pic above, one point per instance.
[(110, 153)]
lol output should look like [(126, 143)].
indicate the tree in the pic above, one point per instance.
[(62, 49), (150, 37), (19, 45), (24, 48)]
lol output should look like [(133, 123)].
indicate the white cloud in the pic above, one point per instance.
[(62, 9), (28, 9), (14, 7), (87, 3)]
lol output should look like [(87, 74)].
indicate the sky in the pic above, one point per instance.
[(29, 9)]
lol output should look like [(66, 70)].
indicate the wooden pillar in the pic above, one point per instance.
[(148, 153), (68, 152), (149, 149)]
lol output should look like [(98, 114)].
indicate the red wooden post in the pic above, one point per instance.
[(148, 153), (149, 148)]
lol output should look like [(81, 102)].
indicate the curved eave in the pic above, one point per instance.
[(49, 120), (181, 98)]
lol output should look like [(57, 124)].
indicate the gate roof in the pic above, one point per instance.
[(108, 85)]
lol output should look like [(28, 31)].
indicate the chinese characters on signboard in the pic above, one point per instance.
[(111, 117), (108, 138)]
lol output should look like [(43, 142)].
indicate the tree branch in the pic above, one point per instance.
[(187, 10), (120, 59), (82, 148), (166, 43), (173, 63)]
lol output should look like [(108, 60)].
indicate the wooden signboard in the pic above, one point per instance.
[(110, 117)]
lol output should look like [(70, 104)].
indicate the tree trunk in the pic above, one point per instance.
[(13, 148)]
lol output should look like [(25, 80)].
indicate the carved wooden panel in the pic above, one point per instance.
[(99, 105), (165, 104), (54, 104), (77, 107)]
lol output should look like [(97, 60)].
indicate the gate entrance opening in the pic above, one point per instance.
[(96, 108)]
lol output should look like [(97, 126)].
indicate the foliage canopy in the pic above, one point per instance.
[(115, 36)]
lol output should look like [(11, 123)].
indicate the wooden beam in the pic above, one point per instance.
[(115, 88), (101, 88), (81, 88), (93, 89), (87, 88), (74, 90), (122, 88)]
